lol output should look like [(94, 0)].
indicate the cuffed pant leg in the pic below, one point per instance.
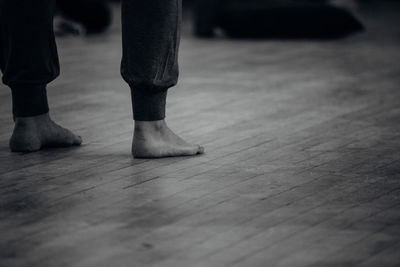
[(150, 39), (29, 101), (28, 53)]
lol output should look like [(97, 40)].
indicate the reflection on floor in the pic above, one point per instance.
[(302, 165)]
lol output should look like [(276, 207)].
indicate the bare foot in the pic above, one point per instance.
[(33, 133), (153, 139)]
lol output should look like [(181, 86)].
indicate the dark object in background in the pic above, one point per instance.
[(273, 19), (89, 16)]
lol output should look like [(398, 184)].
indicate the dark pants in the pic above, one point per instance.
[(150, 40)]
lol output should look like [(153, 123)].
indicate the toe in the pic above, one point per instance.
[(77, 140), (72, 139), (200, 149), (186, 151), (68, 138), (61, 137)]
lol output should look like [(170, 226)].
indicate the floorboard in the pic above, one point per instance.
[(302, 160)]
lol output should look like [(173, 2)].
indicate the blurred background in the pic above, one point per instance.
[(297, 105), (233, 18)]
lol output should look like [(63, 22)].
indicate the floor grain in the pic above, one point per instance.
[(302, 165)]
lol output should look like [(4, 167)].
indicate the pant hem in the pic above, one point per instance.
[(29, 101), (148, 107)]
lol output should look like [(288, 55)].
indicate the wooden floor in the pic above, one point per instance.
[(302, 165)]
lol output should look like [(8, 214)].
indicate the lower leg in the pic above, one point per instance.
[(150, 66), (33, 127), (27, 69), (152, 137)]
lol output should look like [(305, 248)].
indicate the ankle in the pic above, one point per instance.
[(150, 126), (32, 120)]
